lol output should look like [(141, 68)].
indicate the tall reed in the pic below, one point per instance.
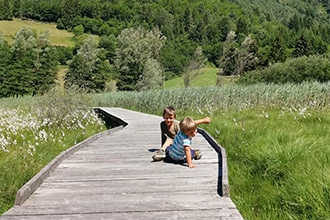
[(306, 95), (33, 131), (276, 138)]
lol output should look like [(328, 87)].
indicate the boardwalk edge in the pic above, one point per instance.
[(223, 183), (27, 189)]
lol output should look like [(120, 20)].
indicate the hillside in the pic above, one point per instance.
[(207, 77), (56, 36), (236, 37)]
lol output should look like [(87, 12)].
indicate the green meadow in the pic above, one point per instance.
[(206, 77), (56, 36), (33, 131), (276, 136)]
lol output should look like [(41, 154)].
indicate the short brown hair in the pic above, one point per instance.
[(187, 124), (169, 110)]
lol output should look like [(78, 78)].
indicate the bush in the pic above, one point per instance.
[(298, 70), (64, 54)]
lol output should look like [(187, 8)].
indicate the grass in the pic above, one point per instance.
[(277, 159), (60, 77), (208, 77), (34, 131), (275, 136), (276, 139), (56, 36)]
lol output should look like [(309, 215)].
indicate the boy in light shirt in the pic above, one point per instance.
[(169, 128), (181, 150)]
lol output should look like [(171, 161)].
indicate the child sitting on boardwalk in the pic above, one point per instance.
[(181, 150), (169, 128)]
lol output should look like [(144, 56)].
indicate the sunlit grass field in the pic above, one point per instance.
[(60, 77), (57, 37), (276, 138), (207, 77), (33, 131)]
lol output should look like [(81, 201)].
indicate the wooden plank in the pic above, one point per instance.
[(113, 177)]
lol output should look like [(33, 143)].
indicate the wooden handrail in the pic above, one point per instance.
[(223, 183)]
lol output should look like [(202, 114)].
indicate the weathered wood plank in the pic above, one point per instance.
[(113, 177)]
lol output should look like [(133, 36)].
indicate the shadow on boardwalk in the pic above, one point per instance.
[(111, 176)]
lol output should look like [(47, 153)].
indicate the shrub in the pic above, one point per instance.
[(298, 70)]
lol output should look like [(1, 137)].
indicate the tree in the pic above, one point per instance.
[(277, 52), (242, 26), (88, 69), (134, 48), (152, 76), (20, 71), (5, 55), (70, 9), (228, 58), (302, 47), (6, 10), (248, 57), (31, 67), (108, 43), (45, 65), (194, 68), (17, 8)]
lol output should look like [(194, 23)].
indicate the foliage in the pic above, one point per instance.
[(35, 131), (311, 68), (175, 56), (6, 12), (281, 30), (248, 57), (213, 98), (227, 63), (63, 54), (277, 163), (194, 69), (152, 76), (30, 67), (109, 44), (88, 70), (277, 51), (135, 47)]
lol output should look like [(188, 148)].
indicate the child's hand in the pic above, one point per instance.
[(207, 120), (191, 165)]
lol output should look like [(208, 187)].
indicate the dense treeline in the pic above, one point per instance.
[(237, 36), (28, 66)]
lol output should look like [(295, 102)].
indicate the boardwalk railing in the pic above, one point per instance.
[(28, 188), (111, 176), (223, 183)]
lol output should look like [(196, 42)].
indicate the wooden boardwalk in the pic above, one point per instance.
[(112, 176)]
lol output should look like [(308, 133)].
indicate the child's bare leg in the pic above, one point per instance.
[(167, 143)]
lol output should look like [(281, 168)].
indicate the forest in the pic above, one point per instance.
[(275, 129), (142, 43)]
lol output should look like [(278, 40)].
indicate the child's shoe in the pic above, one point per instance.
[(160, 155), (198, 154)]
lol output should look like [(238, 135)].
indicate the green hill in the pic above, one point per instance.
[(208, 77), (56, 36)]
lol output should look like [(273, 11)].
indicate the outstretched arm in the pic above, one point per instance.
[(203, 121), (188, 157)]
